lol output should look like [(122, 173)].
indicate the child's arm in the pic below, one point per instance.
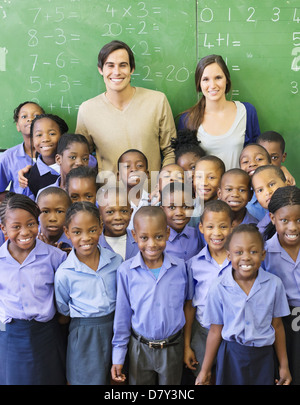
[(289, 178), (280, 348), (213, 342), (23, 181), (116, 373), (189, 355)]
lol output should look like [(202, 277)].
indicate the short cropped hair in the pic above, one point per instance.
[(273, 168), (150, 210), (272, 136), (216, 206)]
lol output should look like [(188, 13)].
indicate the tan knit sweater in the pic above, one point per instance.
[(146, 124)]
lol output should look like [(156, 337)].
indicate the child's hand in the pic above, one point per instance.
[(285, 377), (203, 378), (290, 181), (43, 238), (64, 249), (116, 373), (190, 358), (23, 182)]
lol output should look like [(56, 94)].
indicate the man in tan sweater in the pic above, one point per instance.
[(124, 116)]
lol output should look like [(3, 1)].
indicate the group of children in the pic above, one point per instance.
[(110, 283)]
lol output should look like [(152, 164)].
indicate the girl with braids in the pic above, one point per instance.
[(45, 132), (31, 345), (222, 126), (283, 259), (85, 288)]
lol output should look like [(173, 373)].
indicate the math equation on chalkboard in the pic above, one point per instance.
[(252, 37), (60, 42)]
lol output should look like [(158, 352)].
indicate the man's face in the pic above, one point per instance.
[(116, 71)]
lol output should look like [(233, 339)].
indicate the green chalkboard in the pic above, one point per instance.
[(260, 41), (49, 50)]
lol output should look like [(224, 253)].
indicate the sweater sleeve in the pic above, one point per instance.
[(82, 129), (252, 124), (167, 130)]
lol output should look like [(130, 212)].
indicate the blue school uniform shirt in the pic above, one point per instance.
[(2, 238), (82, 292), (27, 289), (280, 263), (249, 219), (255, 209), (263, 223), (202, 270), (152, 307), (246, 319), (11, 161), (131, 246), (184, 244)]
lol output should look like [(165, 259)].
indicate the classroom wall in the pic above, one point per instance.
[(49, 49)]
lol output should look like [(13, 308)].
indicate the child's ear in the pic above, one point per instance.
[(272, 217), (250, 193), (263, 255), (66, 231), (283, 157), (200, 227), (3, 229), (168, 232), (100, 71), (219, 193), (58, 159), (228, 255), (134, 235)]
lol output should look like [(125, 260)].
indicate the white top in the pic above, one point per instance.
[(118, 244), (143, 201), (228, 146)]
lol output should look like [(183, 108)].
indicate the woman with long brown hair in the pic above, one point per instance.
[(223, 126)]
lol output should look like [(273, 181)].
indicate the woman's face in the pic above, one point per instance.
[(213, 82)]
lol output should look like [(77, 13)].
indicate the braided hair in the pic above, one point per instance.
[(18, 201), (282, 197), (79, 206), (186, 142)]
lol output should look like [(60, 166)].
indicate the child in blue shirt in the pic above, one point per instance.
[(208, 264), (53, 203), (283, 260), (266, 180), (72, 152), (23, 154), (207, 179), (45, 132), (243, 312), (31, 343), (251, 157), (149, 318), (177, 203), (235, 190), (274, 143), (133, 174), (85, 290), (81, 184), (116, 211)]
